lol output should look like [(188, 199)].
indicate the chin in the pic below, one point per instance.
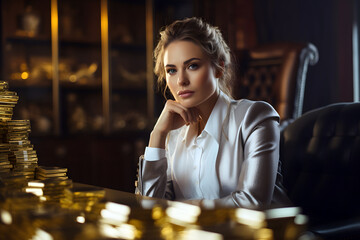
[(188, 104)]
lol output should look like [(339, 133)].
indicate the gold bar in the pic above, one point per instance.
[(149, 60), (105, 64), (55, 64)]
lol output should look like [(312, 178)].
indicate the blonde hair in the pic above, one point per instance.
[(209, 38)]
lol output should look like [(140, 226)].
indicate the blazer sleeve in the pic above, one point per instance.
[(153, 180), (260, 139)]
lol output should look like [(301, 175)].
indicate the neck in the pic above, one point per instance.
[(205, 110)]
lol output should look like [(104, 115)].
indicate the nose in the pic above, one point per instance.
[(183, 79)]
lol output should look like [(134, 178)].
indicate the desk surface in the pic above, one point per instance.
[(145, 219), (126, 198)]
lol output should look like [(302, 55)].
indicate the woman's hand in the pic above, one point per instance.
[(173, 116)]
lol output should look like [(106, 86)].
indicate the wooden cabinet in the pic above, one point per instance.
[(83, 72), (26, 59), (69, 97)]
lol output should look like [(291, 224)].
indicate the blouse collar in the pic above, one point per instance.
[(215, 122)]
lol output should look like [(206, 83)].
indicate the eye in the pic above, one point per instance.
[(171, 71), (193, 66)]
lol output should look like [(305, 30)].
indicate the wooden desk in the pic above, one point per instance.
[(67, 219), (130, 199)]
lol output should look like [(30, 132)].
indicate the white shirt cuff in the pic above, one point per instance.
[(154, 154)]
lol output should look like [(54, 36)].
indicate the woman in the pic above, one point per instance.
[(205, 145)]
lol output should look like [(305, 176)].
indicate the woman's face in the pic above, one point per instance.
[(189, 73)]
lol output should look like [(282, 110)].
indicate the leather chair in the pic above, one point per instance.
[(275, 73), (320, 154)]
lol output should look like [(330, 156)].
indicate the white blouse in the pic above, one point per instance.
[(234, 161)]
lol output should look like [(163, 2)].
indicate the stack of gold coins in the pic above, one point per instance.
[(18, 130), (4, 86), (52, 189), (3, 131), (82, 198), (22, 156), (12, 183), (5, 165), (43, 173), (8, 100), (19, 202)]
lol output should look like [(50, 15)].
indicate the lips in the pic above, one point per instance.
[(185, 93)]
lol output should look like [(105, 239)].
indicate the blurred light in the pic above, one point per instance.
[(147, 203), (180, 215), (5, 217), (24, 75), (208, 204), (195, 210), (41, 235), (118, 208), (36, 191), (124, 231), (36, 184), (252, 218), (73, 78), (282, 212), (113, 217), (157, 213), (301, 219), (93, 67), (200, 234), (183, 212), (80, 219), (264, 234)]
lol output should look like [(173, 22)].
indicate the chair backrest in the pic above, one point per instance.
[(275, 73), (320, 154)]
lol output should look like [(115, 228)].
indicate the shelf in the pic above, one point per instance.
[(128, 47), (27, 84), (79, 43), (135, 2), (125, 87), (79, 86), (29, 40), (63, 41)]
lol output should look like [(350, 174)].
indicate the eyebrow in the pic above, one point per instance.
[(186, 62)]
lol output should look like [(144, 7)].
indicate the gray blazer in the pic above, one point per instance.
[(239, 166)]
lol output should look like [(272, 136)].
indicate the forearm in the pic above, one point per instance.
[(157, 139), (152, 179)]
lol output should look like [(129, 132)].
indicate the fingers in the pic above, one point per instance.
[(188, 115), (194, 114)]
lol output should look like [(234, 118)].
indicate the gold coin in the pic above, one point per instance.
[(16, 122), (47, 170), (9, 93), (4, 85)]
